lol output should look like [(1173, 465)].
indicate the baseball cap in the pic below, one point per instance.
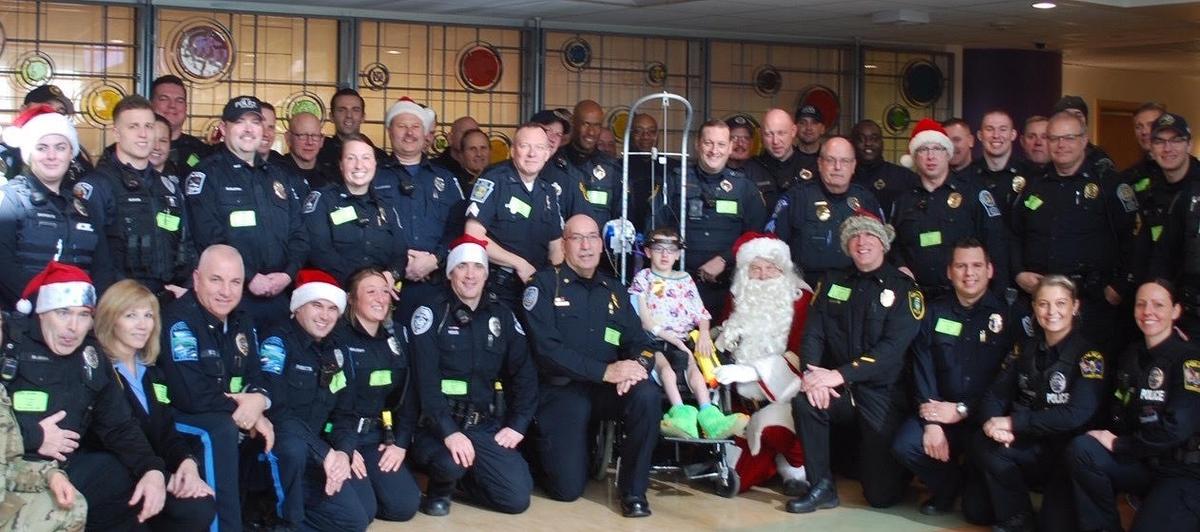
[(47, 94), (239, 106)]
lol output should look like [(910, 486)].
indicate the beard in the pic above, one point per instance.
[(762, 317)]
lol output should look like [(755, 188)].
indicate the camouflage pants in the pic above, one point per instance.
[(37, 512)]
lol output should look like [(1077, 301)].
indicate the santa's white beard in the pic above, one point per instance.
[(762, 317)]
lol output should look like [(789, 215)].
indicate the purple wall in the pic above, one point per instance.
[(1023, 82)]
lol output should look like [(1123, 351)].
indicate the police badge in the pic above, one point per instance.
[(1018, 184), (1058, 382), (726, 185), (89, 356), (853, 203), (494, 326), (1091, 190), (806, 174), (887, 297), (1155, 379), (394, 345), (279, 190), (880, 184), (598, 172), (995, 323), (823, 212), (337, 356), (954, 200), (243, 344)]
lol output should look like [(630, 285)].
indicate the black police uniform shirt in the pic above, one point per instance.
[(80, 384), (579, 325), (250, 208), (1176, 254), (187, 152), (809, 219), (447, 161), (1050, 392), (37, 226), (347, 232), (521, 218), (861, 324), (590, 183), (929, 223), (1079, 225), (719, 208), (383, 408), (428, 201), (141, 213), (306, 381), (886, 180), (314, 178), (460, 354), (1156, 404), (295, 181), (958, 350), (645, 178), (1155, 194), (1004, 184), (781, 175), (204, 358), (156, 418)]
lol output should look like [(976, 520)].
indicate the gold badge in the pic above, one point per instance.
[(243, 344), (1091, 190), (726, 185), (954, 200), (805, 174), (279, 190), (1018, 184), (879, 184), (598, 172), (823, 212), (853, 203), (439, 183)]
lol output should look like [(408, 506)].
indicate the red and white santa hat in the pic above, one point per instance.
[(58, 286), (466, 249), (313, 284), (928, 131), (36, 122), (753, 245), (407, 105)]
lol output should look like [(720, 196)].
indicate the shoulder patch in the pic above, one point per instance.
[(916, 304), (1091, 365), (271, 355), (1128, 197), (82, 191), (1191, 375), (529, 299), (194, 184), (310, 203), (183, 343), (422, 319), (482, 190), (989, 204)]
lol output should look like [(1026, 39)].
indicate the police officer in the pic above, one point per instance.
[(236, 197), (1176, 255), (809, 216), (303, 371), (170, 99), (453, 158), (476, 149), (39, 221), (383, 413), (11, 162), (1080, 224), (741, 138), (557, 123), (1000, 171), (810, 133), (1048, 390), (1153, 429), (963, 339), (468, 352), (1155, 187), (940, 211), (1139, 173), (1036, 146), (347, 110), (589, 178), (645, 172), (138, 209), (62, 387), (519, 213), (779, 162), (874, 173), (350, 226), (215, 384), (962, 141), (721, 205), (38, 496), (858, 329), (304, 140), (592, 359)]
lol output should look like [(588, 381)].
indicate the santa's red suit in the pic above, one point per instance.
[(763, 334)]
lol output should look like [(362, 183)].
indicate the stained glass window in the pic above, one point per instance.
[(901, 88)]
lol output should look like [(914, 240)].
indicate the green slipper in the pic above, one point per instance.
[(679, 422), (716, 425)]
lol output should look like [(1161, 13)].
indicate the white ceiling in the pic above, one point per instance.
[(1159, 35)]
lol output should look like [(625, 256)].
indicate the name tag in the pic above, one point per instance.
[(30, 401), (950, 327), (612, 336), (598, 197), (454, 387), (725, 206), (1155, 232), (235, 385), (160, 392), (932, 238), (1033, 202), (342, 215), (838, 292), (381, 377), (338, 382), (167, 221), (242, 219)]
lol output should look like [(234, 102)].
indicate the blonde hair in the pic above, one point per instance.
[(116, 301)]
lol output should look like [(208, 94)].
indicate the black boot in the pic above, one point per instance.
[(437, 498), (823, 495), (1022, 522), (634, 506)]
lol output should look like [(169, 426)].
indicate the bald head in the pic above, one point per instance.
[(836, 164), (645, 132), (219, 279), (778, 133), (586, 123), (304, 138), (581, 244), (457, 129)]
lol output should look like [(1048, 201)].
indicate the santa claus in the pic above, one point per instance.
[(762, 333)]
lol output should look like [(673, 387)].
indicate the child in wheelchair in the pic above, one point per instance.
[(671, 310)]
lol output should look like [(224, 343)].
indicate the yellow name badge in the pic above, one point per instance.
[(160, 392), (932, 238), (381, 377), (30, 401), (342, 215), (235, 385), (950, 327), (242, 219), (167, 221), (516, 206), (612, 336), (454, 387), (338, 382), (725, 206), (597, 197)]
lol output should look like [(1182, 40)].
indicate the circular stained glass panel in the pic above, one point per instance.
[(576, 54), (99, 102), (767, 81), (202, 51), (500, 145), (921, 83), (825, 100), (479, 67)]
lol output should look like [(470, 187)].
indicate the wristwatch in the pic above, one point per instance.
[(961, 408)]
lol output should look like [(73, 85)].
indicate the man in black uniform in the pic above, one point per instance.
[(1176, 243), (519, 213), (589, 348), (956, 354), (476, 149), (1140, 173), (959, 132), (646, 173), (63, 387), (721, 205), (169, 96), (453, 158), (137, 208), (589, 178), (236, 197), (469, 351), (874, 173), (304, 140), (810, 130), (1035, 146), (1096, 160), (858, 330), (741, 139), (780, 164), (943, 209), (1080, 224), (347, 110), (810, 215), (215, 380), (1000, 171)]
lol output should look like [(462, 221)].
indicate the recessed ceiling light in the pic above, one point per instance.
[(1044, 5)]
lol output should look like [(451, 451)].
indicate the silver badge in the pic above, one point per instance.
[(89, 356), (243, 344), (598, 172), (1155, 379), (337, 355), (887, 297), (422, 319), (494, 326), (995, 323), (394, 345), (726, 185), (1058, 382)]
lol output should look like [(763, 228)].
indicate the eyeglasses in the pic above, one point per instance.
[(739, 138), (1176, 142), (1064, 138), (710, 144), (664, 248), (936, 149), (306, 137), (579, 239), (837, 161)]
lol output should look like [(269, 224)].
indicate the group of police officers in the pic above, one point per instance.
[(334, 314)]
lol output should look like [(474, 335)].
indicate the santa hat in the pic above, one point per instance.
[(927, 131), (866, 222), (58, 286), (36, 122), (752, 245), (313, 284), (406, 105), (466, 249)]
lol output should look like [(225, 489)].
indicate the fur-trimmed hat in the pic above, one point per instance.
[(466, 249), (927, 131), (866, 222), (407, 105), (58, 286), (313, 284), (36, 122), (752, 245)]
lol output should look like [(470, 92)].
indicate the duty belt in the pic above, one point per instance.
[(367, 424), (465, 413), (504, 277)]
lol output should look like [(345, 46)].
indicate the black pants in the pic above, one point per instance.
[(306, 506), (1010, 471), (1171, 504), (268, 312), (498, 478), (563, 418), (396, 493), (1096, 477), (882, 476), (945, 480), (107, 486), (219, 439)]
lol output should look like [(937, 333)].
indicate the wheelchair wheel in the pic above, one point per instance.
[(729, 483)]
